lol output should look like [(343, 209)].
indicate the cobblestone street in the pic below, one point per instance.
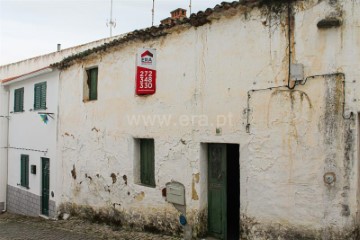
[(20, 227)]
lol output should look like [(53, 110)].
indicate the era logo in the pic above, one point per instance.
[(147, 57)]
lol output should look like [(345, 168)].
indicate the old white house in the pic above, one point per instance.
[(261, 89), (243, 119)]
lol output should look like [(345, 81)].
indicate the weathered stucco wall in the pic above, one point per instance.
[(307, 138), (96, 139), (309, 134), (289, 139)]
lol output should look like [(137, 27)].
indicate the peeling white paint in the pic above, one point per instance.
[(208, 71)]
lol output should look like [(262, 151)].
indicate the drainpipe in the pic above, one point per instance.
[(289, 12), (7, 149), (7, 145)]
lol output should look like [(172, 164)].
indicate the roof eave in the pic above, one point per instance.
[(26, 76)]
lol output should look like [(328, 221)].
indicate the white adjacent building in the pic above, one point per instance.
[(31, 148)]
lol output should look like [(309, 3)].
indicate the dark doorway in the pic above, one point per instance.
[(223, 190), (233, 191)]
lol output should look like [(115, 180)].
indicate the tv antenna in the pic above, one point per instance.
[(111, 23), (190, 7), (153, 11)]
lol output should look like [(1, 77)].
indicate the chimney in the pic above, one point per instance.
[(58, 47), (177, 14)]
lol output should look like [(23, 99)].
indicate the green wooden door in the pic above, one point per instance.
[(147, 162), (45, 183), (217, 191)]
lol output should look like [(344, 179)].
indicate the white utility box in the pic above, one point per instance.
[(175, 193), (297, 72)]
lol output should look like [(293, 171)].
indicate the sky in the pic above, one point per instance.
[(30, 28)]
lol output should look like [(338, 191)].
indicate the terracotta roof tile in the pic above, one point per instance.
[(196, 19)]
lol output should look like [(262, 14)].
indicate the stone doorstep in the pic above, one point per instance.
[(44, 216)]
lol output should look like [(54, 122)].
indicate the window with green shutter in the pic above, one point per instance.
[(19, 100), (92, 82), (40, 96), (24, 171), (147, 162)]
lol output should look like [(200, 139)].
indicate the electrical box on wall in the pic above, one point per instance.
[(297, 72), (33, 169), (175, 193)]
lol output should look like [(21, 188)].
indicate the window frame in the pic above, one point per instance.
[(19, 100), (92, 80), (40, 90), (147, 162), (24, 171)]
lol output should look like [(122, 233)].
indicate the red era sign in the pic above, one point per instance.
[(145, 81), (146, 71)]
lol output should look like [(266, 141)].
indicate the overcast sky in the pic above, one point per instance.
[(29, 28)]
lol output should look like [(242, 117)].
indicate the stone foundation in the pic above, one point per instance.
[(23, 202), (250, 228), (2, 206), (162, 220)]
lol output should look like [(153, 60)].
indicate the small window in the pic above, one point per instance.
[(147, 162), (24, 171), (92, 82), (40, 96), (19, 100)]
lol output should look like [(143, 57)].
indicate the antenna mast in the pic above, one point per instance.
[(190, 7), (153, 10), (111, 23)]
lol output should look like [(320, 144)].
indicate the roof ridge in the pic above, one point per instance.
[(196, 19)]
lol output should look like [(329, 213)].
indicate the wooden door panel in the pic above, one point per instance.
[(217, 190), (215, 215)]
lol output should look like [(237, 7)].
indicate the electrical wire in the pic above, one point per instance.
[(27, 149), (296, 84)]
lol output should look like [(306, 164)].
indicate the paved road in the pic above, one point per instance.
[(20, 227)]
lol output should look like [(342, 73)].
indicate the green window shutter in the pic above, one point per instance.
[(36, 96), (27, 171), (19, 100), (93, 75), (24, 171), (16, 100), (40, 96), (147, 162), (43, 96)]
